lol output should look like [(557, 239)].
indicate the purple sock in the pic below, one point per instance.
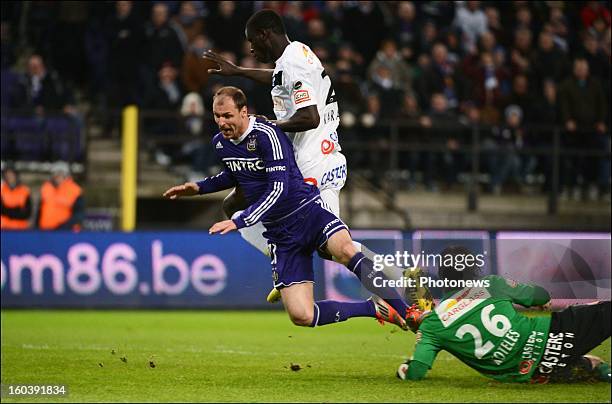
[(363, 267), (331, 311)]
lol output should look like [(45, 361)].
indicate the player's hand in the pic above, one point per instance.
[(226, 68), (187, 189), (223, 227)]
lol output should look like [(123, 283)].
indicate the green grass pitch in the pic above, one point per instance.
[(239, 356)]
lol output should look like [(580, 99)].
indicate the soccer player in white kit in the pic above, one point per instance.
[(304, 104), (306, 109)]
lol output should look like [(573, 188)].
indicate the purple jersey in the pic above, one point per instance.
[(261, 161)]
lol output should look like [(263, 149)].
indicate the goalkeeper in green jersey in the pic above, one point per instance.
[(481, 327)]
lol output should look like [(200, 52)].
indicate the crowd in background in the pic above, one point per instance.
[(512, 67)]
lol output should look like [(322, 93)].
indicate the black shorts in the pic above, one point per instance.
[(573, 333)]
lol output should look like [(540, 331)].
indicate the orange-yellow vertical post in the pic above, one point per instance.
[(129, 163)]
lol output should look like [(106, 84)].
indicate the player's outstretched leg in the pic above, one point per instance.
[(304, 311), (341, 246)]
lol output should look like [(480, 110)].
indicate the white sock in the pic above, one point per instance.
[(254, 235)]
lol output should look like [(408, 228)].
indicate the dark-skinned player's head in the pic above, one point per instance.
[(456, 266), (261, 29), (230, 111)]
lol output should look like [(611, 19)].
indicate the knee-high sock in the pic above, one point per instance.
[(363, 267), (254, 235), (331, 311)]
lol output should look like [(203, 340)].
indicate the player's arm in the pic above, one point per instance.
[(527, 295), (297, 79), (304, 119), (227, 68), (271, 152), (223, 180), (425, 352)]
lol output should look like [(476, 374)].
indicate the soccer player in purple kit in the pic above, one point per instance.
[(259, 157)]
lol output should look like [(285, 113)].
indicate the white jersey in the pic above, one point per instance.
[(299, 81)]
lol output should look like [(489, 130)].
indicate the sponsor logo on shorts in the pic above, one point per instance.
[(556, 352), (334, 176), (327, 146), (301, 96)]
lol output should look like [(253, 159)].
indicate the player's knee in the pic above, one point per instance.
[(345, 253), (302, 317)]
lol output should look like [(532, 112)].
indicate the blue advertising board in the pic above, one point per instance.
[(141, 269)]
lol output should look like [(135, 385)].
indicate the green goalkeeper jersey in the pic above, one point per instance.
[(481, 327)]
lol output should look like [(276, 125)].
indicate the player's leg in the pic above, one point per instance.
[(573, 333), (293, 275), (417, 294), (233, 205), (340, 245)]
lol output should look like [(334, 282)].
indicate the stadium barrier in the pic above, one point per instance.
[(197, 270)]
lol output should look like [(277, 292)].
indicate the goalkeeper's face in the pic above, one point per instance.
[(231, 120)]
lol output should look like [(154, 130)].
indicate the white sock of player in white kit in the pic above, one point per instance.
[(254, 235)]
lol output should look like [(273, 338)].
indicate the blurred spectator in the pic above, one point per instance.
[(61, 202), (583, 113), (125, 38), (16, 202), (489, 82), (522, 96), (546, 109), (188, 22), (194, 72), (406, 30), (221, 27), (162, 42), (387, 91), (294, 23), (389, 57), (365, 14), (547, 61), (521, 51), (594, 11), (599, 62), (428, 37), (42, 90), (347, 87), (198, 150), (67, 45), (439, 124), (494, 24), (472, 22), (502, 153), (442, 77), (165, 97)]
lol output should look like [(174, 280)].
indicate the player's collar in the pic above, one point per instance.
[(246, 133), (284, 51)]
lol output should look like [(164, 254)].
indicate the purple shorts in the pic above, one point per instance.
[(293, 240)]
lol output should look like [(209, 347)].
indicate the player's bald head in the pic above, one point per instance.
[(233, 93)]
